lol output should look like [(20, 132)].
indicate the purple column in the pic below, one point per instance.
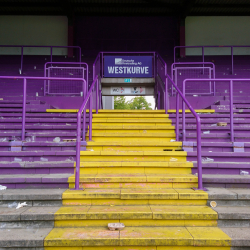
[(24, 108), (183, 114), (231, 112)]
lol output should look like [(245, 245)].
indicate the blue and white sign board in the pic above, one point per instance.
[(128, 66)]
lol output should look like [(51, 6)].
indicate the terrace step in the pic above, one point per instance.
[(134, 236), (35, 181), (36, 167), (226, 181)]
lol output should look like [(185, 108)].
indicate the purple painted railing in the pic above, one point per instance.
[(203, 55), (37, 46), (198, 126), (25, 88), (86, 77), (230, 81), (193, 65), (88, 98)]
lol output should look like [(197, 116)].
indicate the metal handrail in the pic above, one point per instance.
[(215, 46), (70, 63), (25, 88), (198, 126), (79, 114), (37, 46), (230, 96), (192, 63)]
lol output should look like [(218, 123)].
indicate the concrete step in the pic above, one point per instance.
[(138, 236), (10, 198), (226, 181), (229, 197), (35, 181), (36, 167), (131, 197)]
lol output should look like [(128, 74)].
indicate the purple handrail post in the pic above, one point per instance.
[(21, 59), (90, 117), (231, 112), (84, 114), (97, 96), (232, 55), (166, 96), (24, 108), (199, 163), (183, 114), (177, 117), (78, 148), (51, 51)]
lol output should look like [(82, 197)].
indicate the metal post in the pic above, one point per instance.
[(51, 53), (177, 116), (24, 108), (80, 54), (183, 121), (232, 55), (231, 111), (183, 113), (22, 60), (90, 117), (199, 163), (97, 95), (84, 114), (166, 96), (78, 148)]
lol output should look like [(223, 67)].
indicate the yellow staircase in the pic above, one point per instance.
[(134, 173)]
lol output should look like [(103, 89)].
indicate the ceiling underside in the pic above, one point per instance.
[(126, 7)]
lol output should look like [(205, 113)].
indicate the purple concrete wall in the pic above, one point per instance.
[(96, 34)]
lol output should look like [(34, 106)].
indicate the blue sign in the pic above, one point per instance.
[(128, 66)]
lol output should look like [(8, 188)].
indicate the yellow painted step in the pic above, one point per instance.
[(136, 164), (134, 139), (149, 143), (127, 133), (139, 248), (135, 222), (138, 236), (132, 148), (134, 115), (136, 213), (134, 185), (144, 153), (136, 126), (130, 178), (136, 194), (126, 111), (131, 120), (196, 110), (133, 170)]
